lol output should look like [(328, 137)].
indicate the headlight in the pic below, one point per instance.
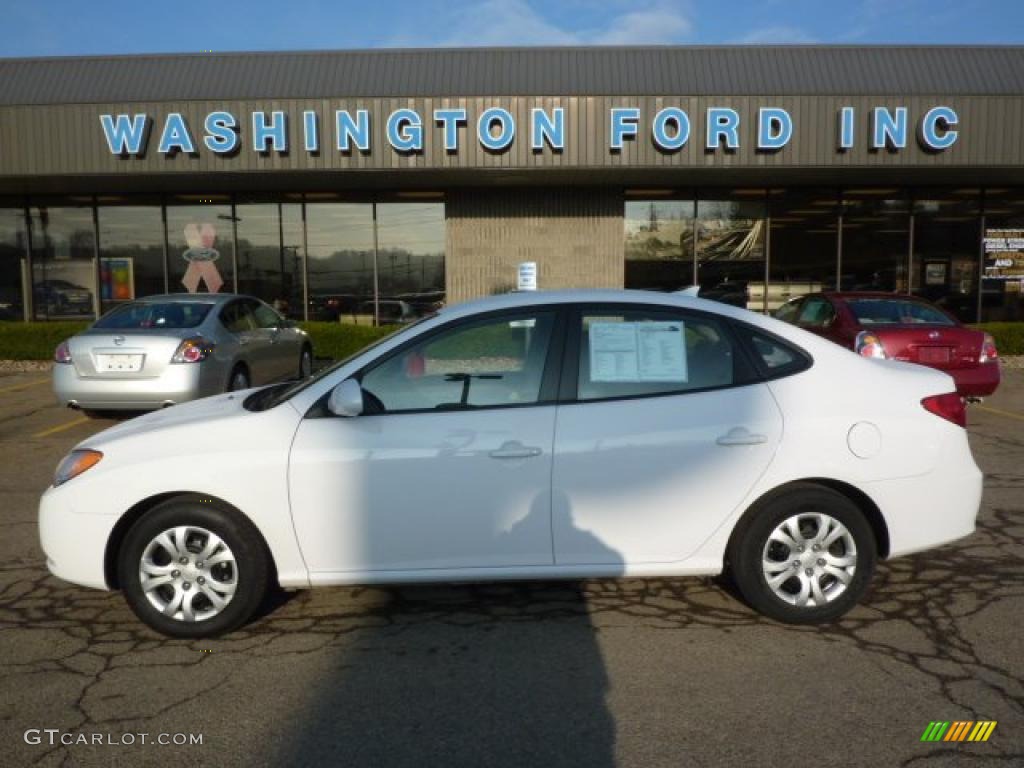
[(74, 464)]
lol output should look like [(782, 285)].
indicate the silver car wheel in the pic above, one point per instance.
[(239, 380), (188, 573), (809, 559)]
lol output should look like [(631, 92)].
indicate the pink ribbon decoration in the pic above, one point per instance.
[(200, 257)]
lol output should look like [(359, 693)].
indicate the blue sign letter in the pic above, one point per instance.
[(310, 131), (937, 130), (774, 128), (220, 132), (624, 120), (276, 130), (670, 143), (405, 130), (506, 123), (350, 130), (450, 119), (846, 116), (887, 130), (124, 136), (550, 129), (723, 122), (176, 136)]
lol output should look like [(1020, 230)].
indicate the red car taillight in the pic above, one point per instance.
[(869, 345), (63, 353), (193, 351), (949, 406), (989, 353)]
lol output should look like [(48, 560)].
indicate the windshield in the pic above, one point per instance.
[(272, 396), (897, 312), (153, 315)]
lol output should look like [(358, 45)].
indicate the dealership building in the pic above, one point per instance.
[(341, 184)]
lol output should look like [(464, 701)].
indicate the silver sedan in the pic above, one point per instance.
[(162, 350)]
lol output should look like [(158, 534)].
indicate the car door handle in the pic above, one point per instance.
[(515, 450), (741, 436)]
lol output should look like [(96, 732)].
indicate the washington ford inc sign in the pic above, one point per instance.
[(225, 133)]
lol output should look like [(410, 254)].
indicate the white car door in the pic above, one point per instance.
[(449, 466), (666, 432)]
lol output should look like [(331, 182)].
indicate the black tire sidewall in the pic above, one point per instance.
[(746, 551), (251, 558), (238, 369)]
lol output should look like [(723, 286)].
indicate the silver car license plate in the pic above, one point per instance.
[(119, 363)]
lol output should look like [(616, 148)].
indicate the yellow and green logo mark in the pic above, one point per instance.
[(959, 730)]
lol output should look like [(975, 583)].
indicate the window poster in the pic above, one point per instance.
[(637, 352)]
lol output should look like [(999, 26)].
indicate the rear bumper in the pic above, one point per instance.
[(177, 384), (980, 381)]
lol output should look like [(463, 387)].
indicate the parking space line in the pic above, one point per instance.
[(24, 385), (62, 427), (1007, 414)]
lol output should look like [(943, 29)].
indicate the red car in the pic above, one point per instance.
[(901, 327)]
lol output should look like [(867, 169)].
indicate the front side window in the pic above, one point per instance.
[(265, 316), (632, 353), (487, 363)]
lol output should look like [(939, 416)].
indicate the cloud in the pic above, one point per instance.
[(516, 22), (776, 34)]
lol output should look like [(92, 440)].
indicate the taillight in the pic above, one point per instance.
[(193, 351), (63, 353), (869, 345), (989, 353), (949, 406)]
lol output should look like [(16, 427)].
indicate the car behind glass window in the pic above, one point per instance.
[(625, 354), (490, 362), (146, 315)]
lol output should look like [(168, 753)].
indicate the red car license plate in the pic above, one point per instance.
[(934, 354)]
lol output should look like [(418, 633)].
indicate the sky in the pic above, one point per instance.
[(92, 27)]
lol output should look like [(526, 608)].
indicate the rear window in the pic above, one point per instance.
[(896, 312), (169, 315)]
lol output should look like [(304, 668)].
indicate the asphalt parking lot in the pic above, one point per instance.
[(599, 673)]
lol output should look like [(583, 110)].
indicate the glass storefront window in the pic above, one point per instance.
[(945, 265), (802, 248), (270, 254), (340, 241), (731, 248), (13, 246), (63, 262), (131, 253), (410, 259), (199, 248), (659, 244), (1002, 284), (876, 236)]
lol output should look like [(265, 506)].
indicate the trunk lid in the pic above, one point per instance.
[(939, 346), (136, 354)]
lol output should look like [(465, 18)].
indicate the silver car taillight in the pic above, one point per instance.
[(63, 353), (193, 350)]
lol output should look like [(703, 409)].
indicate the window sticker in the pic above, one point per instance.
[(643, 351)]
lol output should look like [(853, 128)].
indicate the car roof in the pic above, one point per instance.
[(516, 299), (192, 298)]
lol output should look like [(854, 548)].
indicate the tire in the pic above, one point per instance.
[(91, 413), (774, 532), (239, 379), (305, 363), (198, 599)]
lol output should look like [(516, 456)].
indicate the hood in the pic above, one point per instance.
[(198, 414)]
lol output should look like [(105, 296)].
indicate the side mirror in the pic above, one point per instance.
[(346, 399)]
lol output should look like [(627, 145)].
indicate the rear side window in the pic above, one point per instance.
[(773, 356), (152, 315), (816, 313), (636, 353), (237, 317)]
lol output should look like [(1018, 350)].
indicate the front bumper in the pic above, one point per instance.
[(178, 383), (74, 542)]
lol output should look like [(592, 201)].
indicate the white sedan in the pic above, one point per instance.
[(528, 436)]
